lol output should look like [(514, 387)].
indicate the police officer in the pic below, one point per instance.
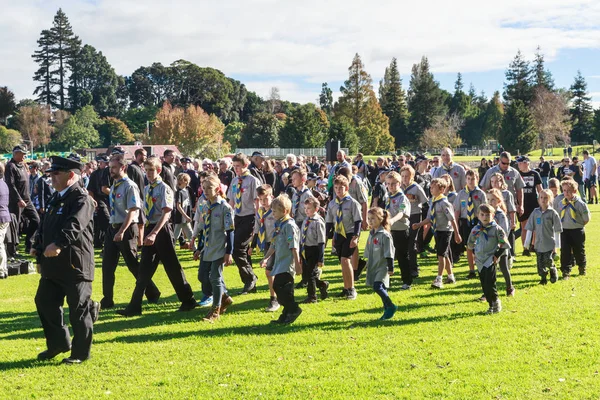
[(64, 247), (158, 244), (122, 235)]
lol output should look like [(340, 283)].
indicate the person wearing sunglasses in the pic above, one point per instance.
[(512, 177)]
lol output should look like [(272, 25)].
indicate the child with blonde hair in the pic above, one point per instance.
[(496, 200)]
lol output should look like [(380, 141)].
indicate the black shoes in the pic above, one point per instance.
[(249, 287), (95, 311), (362, 263), (154, 300), (323, 289), (187, 306), (291, 317), (50, 354), (300, 285), (553, 275), (71, 361), (472, 275), (310, 300), (128, 313), (106, 304)]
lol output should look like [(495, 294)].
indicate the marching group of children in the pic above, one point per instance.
[(292, 234)]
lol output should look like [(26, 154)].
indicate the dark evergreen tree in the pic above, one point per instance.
[(326, 99), (150, 86), (518, 132), (44, 76), (540, 75), (518, 77), (306, 126), (392, 99), (581, 110), (342, 129), (596, 125), (254, 105), (65, 47), (460, 102), (493, 116), (262, 131), (7, 104), (426, 101)]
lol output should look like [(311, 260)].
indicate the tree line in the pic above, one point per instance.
[(80, 101)]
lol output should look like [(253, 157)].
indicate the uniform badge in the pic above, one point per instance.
[(119, 195), (538, 220), (60, 210), (476, 197), (375, 241), (455, 173)]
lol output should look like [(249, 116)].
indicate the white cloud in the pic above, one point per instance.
[(292, 43)]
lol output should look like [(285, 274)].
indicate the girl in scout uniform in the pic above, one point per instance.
[(442, 221), (379, 252), (496, 200), (545, 222), (398, 208), (497, 182), (417, 197)]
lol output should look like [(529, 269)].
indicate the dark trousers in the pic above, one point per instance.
[(283, 285), (572, 243), (381, 290), (511, 241), (310, 271), (101, 223), (487, 277), (544, 263), (32, 217), (162, 250), (204, 278), (113, 252), (49, 301), (415, 244), (402, 243), (244, 228), (505, 269), (425, 241)]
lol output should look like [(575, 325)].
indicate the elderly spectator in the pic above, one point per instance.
[(226, 175), (256, 165), (4, 222)]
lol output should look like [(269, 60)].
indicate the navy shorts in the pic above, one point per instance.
[(342, 246)]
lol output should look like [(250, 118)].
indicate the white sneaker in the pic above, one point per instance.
[(405, 287), (450, 280), (437, 283)]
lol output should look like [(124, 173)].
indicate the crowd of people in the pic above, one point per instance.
[(287, 211)]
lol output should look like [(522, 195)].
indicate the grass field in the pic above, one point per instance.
[(544, 345)]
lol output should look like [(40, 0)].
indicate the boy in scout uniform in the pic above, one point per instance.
[(466, 204), (122, 235), (312, 250), (158, 244), (285, 248), (488, 241), (344, 219), (217, 227), (398, 208), (65, 250), (574, 215), (302, 192), (545, 223), (242, 195)]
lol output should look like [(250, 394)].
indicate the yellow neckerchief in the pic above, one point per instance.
[(568, 205)]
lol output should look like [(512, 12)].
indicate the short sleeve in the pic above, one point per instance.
[(227, 218), (529, 226), (133, 198), (421, 195), (456, 202), (450, 212), (472, 238), (230, 191), (519, 184), (537, 179), (556, 222), (388, 248), (356, 212), (321, 232), (292, 236), (166, 198), (329, 216)]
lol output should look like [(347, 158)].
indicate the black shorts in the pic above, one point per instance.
[(464, 228), (342, 246), (526, 215), (591, 182), (271, 261), (442, 243)]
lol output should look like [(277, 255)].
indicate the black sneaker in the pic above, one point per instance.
[(472, 275), (344, 293), (323, 290), (106, 303), (300, 285), (291, 317), (581, 272), (309, 300), (249, 288), (187, 306), (351, 294), (361, 267), (526, 253), (553, 275), (543, 281)]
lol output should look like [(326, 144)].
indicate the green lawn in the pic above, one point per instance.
[(439, 345)]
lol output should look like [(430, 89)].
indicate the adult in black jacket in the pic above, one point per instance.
[(17, 180), (65, 251), (168, 170), (256, 165)]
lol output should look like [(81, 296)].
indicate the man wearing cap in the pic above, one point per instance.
[(65, 252), (256, 164), (512, 177), (449, 167), (101, 215), (19, 195)]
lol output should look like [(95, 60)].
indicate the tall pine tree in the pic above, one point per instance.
[(425, 101), (460, 102), (326, 99), (518, 80), (45, 77), (392, 99), (359, 105), (518, 132), (541, 77), (65, 47), (581, 110)]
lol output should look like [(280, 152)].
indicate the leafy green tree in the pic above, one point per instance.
[(114, 131), (518, 80), (235, 107), (262, 131), (45, 76), (233, 133), (150, 86), (137, 119), (79, 130), (540, 75), (306, 126), (493, 116), (7, 103), (581, 110), (254, 105), (392, 99), (342, 129), (93, 82), (326, 99), (518, 133), (9, 138), (426, 101)]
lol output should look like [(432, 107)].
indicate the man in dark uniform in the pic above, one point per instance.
[(122, 235), (256, 164), (135, 172), (101, 214), (19, 195), (65, 251), (167, 172), (188, 168)]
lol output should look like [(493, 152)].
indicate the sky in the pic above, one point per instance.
[(298, 45)]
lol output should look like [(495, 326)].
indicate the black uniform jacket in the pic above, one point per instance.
[(69, 224)]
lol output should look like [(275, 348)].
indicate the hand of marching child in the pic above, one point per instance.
[(457, 238), (196, 255), (298, 268), (263, 263), (227, 259), (390, 273), (250, 249), (415, 226), (320, 265)]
